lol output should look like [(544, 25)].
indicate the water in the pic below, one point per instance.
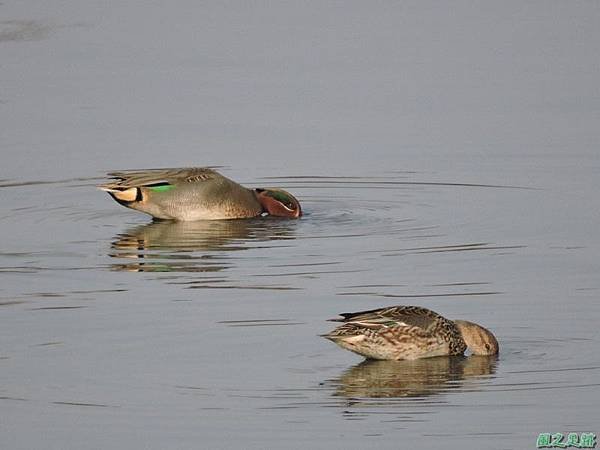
[(446, 158)]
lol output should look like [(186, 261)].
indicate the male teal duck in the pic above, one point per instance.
[(196, 194), (409, 332)]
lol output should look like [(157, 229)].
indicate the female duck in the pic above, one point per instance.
[(409, 332), (196, 194)]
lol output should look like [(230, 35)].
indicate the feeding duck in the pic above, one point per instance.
[(196, 194), (409, 332)]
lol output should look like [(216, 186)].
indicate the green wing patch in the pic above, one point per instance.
[(161, 188)]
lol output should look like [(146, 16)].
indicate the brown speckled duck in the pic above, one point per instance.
[(409, 332), (196, 194)]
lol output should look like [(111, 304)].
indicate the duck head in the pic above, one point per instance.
[(479, 340), (278, 202)]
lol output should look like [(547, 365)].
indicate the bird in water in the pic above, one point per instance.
[(409, 332), (196, 194)]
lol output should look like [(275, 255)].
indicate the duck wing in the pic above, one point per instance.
[(392, 316), (160, 177), (397, 332)]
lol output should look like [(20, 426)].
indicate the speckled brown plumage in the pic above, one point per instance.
[(408, 332)]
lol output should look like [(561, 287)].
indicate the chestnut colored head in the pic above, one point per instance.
[(278, 202), (478, 339)]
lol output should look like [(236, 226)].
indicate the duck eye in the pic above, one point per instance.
[(487, 346)]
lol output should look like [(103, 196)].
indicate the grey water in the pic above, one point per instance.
[(445, 154)]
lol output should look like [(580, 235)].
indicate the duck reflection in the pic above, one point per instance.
[(166, 246), (418, 378)]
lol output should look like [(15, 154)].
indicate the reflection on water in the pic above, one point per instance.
[(266, 284), (419, 378), (166, 246)]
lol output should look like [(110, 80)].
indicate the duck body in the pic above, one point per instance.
[(409, 332), (190, 194)]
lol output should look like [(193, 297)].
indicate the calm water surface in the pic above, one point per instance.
[(431, 172)]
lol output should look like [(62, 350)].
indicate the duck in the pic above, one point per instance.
[(196, 193), (408, 333)]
